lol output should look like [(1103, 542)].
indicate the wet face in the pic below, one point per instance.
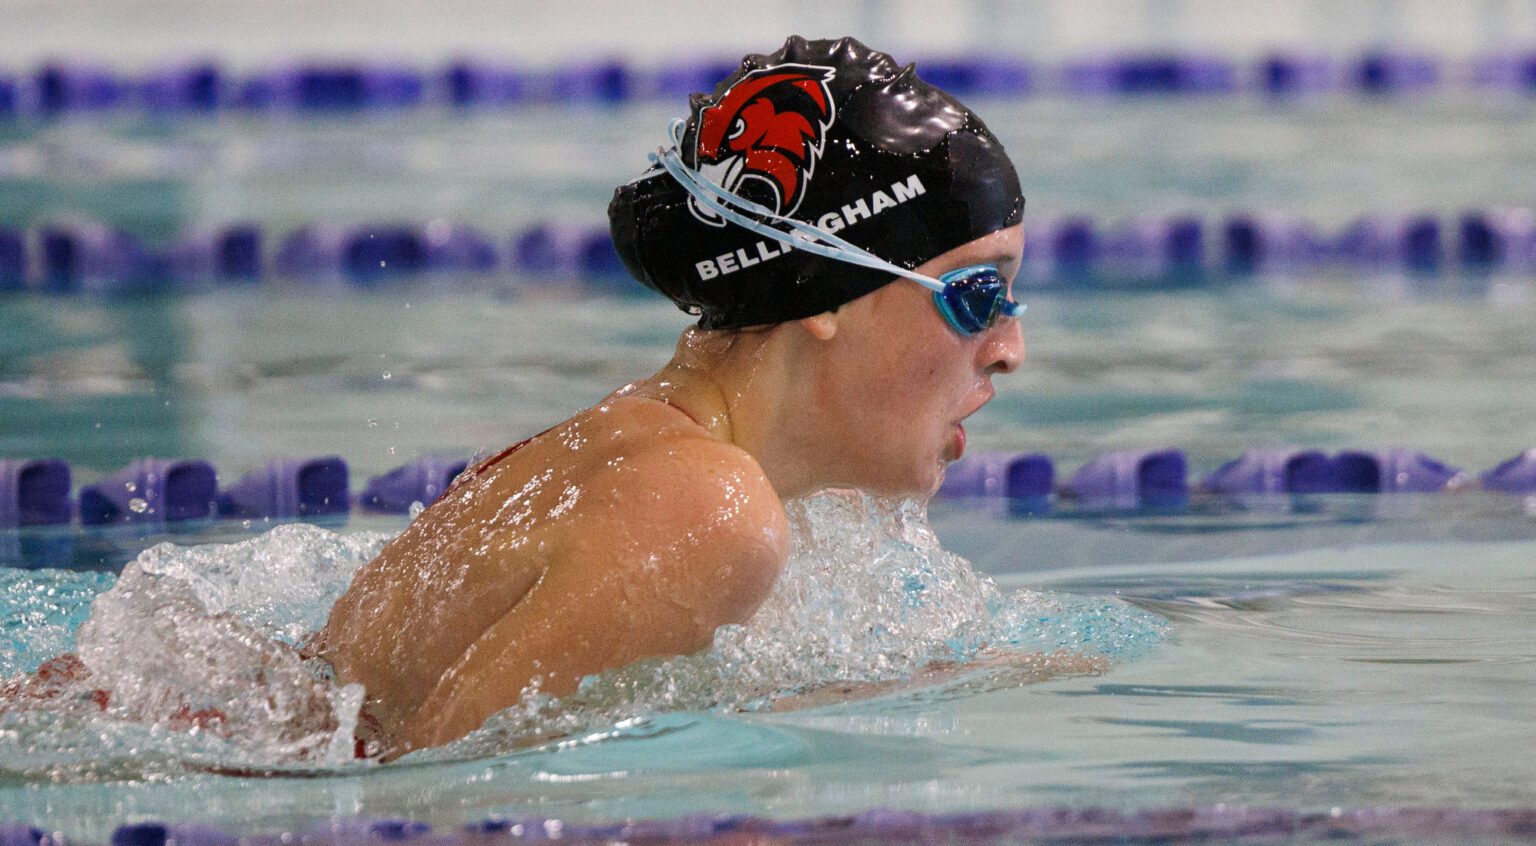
[(899, 381)]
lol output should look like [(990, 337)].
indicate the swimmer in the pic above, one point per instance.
[(846, 235)]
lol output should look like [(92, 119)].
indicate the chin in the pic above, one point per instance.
[(901, 475), (907, 486), (923, 483)]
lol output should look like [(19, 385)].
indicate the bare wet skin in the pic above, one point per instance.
[(639, 527), (550, 532)]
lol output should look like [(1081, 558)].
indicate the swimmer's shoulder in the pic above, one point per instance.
[(705, 501)]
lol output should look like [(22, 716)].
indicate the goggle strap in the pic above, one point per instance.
[(801, 239), (805, 237)]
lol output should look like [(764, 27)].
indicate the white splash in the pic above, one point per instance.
[(868, 596), (197, 647)]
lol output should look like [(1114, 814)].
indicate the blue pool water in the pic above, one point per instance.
[(1347, 652), (1306, 654)]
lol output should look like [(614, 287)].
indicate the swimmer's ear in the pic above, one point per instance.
[(821, 326)]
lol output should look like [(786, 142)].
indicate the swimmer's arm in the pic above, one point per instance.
[(696, 550)]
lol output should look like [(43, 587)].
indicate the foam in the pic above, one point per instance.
[(868, 596)]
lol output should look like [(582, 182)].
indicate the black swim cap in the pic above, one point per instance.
[(831, 133)]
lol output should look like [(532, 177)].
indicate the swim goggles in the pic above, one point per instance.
[(971, 299)]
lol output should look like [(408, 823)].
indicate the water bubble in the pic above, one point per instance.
[(246, 524), (130, 486), (416, 508), (868, 596), (392, 450), (217, 625), (372, 423), (388, 375), (138, 506)]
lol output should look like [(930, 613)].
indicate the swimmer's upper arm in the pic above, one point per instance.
[(692, 538)]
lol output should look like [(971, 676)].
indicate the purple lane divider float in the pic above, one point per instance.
[(232, 254), (194, 87), (1507, 71), (1396, 470), (92, 257), (374, 253), (290, 487), (1156, 247), (33, 492), (1066, 247), (422, 480), (1126, 478), (1517, 475), (1284, 74), (59, 88), (1302, 471), (1000, 474), (13, 260), (1220, 823), (141, 834), (978, 474), (1411, 241), (334, 88), (16, 834), (566, 250), (599, 82), (1274, 471), (361, 830), (680, 79), (1270, 243), (1498, 239), (396, 830), (456, 248), (312, 253), (1149, 74), (151, 490), (162, 834), (474, 84), (992, 76), (10, 100), (1396, 73)]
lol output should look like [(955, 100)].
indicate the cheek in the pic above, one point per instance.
[(918, 391), (907, 367)]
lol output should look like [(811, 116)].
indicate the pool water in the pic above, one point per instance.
[(1302, 653), (237, 377), (1339, 652)]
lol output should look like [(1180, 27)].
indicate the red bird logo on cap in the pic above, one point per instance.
[(762, 138)]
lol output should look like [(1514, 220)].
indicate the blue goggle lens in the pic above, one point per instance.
[(974, 298)]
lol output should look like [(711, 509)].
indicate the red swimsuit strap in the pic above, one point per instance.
[(478, 470), (497, 458)]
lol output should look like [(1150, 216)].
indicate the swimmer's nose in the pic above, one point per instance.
[(1003, 349)]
